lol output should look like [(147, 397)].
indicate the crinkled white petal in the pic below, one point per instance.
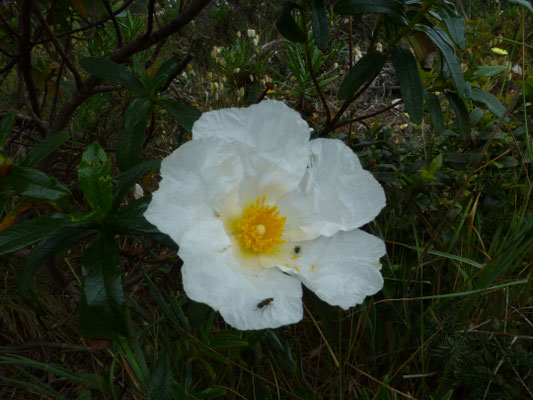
[(197, 177), (342, 269), (336, 193), (279, 138), (213, 276)]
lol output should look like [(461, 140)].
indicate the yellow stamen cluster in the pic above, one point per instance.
[(261, 227)]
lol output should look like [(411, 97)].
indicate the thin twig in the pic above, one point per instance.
[(37, 345), (115, 23), (57, 45), (151, 7), (315, 81), (25, 54)]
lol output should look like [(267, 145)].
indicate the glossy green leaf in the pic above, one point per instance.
[(184, 114), (287, 26), (320, 23), (26, 233), (523, 3), (367, 67), (406, 69), (94, 174), (137, 112), (440, 39), (492, 102), (5, 125), (45, 148), (461, 112), (52, 244), (455, 24), (130, 219), (130, 146), (126, 180), (33, 183), (394, 8), (102, 309), (166, 71), (160, 386), (112, 72), (437, 117)]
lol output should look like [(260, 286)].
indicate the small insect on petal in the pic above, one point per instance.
[(265, 302)]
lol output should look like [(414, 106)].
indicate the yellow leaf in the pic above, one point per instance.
[(80, 6)]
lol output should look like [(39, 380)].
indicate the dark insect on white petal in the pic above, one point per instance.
[(265, 302)]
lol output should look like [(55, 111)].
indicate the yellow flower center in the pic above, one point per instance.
[(261, 227)]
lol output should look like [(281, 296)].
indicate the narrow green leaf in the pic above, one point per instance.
[(369, 65), (166, 72), (26, 233), (523, 3), (130, 146), (184, 114), (406, 69), (320, 23), (434, 166), (52, 244), (102, 309), (137, 112), (287, 26), (393, 8), (33, 183), (126, 180), (492, 102), (94, 174), (45, 148), (461, 112), (437, 117), (489, 70), (160, 386), (130, 219), (5, 125), (112, 72), (450, 59), (455, 24)]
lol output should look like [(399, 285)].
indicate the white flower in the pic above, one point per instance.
[(257, 209), (250, 33)]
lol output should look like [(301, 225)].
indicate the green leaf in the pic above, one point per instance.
[(26, 233), (489, 70), (492, 102), (137, 112), (320, 23), (112, 72), (287, 26), (368, 66), (160, 386), (437, 117), (94, 174), (455, 24), (33, 183), (45, 148), (184, 114), (102, 309), (5, 125), (406, 69), (52, 244), (440, 39), (165, 72), (523, 3), (130, 146), (463, 118), (126, 180), (393, 8), (434, 166), (130, 219)]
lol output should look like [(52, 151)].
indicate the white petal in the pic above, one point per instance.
[(343, 269), (334, 194), (196, 178), (212, 275), (278, 136)]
